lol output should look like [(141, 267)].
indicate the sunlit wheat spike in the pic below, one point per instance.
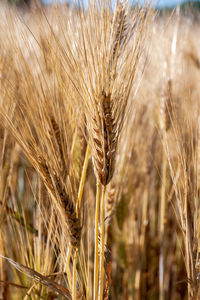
[(110, 200), (57, 133), (105, 77), (108, 271), (58, 137), (51, 178), (57, 189), (105, 141), (107, 268), (119, 31), (166, 107)]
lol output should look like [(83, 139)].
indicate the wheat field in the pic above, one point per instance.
[(99, 153)]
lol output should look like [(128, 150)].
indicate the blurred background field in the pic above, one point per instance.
[(152, 203)]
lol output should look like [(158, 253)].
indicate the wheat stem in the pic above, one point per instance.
[(138, 276), (68, 271), (80, 193), (101, 276), (96, 258), (74, 274), (162, 222), (83, 177)]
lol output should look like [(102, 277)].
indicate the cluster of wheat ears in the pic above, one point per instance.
[(99, 153)]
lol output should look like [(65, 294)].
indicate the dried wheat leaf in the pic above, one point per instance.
[(40, 278)]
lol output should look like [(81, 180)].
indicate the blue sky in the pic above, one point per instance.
[(168, 3), (160, 3)]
